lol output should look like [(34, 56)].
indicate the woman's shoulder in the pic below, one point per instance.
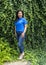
[(25, 21), (24, 18)]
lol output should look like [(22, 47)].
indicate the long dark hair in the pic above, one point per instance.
[(17, 14)]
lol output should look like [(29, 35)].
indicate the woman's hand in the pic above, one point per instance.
[(22, 34)]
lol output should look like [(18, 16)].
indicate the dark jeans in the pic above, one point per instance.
[(20, 41)]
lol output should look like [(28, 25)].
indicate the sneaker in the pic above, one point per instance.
[(21, 56)]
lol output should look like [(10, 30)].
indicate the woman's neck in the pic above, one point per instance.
[(20, 18)]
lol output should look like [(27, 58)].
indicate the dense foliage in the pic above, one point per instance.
[(35, 13), (36, 57), (6, 52)]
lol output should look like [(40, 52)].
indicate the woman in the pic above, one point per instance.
[(20, 31)]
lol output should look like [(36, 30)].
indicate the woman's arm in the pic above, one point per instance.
[(24, 30)]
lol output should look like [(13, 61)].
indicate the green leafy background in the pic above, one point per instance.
[(35, 13)]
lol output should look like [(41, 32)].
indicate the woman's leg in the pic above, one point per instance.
[(21, 47), (20, 44)]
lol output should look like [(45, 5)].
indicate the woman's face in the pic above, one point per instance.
[(19, 14)]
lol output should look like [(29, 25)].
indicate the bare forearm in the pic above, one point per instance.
[(25, 28)]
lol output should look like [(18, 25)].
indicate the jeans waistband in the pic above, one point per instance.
[(18, 31)]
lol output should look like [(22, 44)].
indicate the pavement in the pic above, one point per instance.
[(18, 63)]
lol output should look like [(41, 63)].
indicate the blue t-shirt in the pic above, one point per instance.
[(19, 24)]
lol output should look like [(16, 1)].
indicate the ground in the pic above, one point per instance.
[(18, 63)]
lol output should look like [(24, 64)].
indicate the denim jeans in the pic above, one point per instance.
[(20, 41)]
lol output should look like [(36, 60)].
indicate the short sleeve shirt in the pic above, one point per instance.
[(20, 24)]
